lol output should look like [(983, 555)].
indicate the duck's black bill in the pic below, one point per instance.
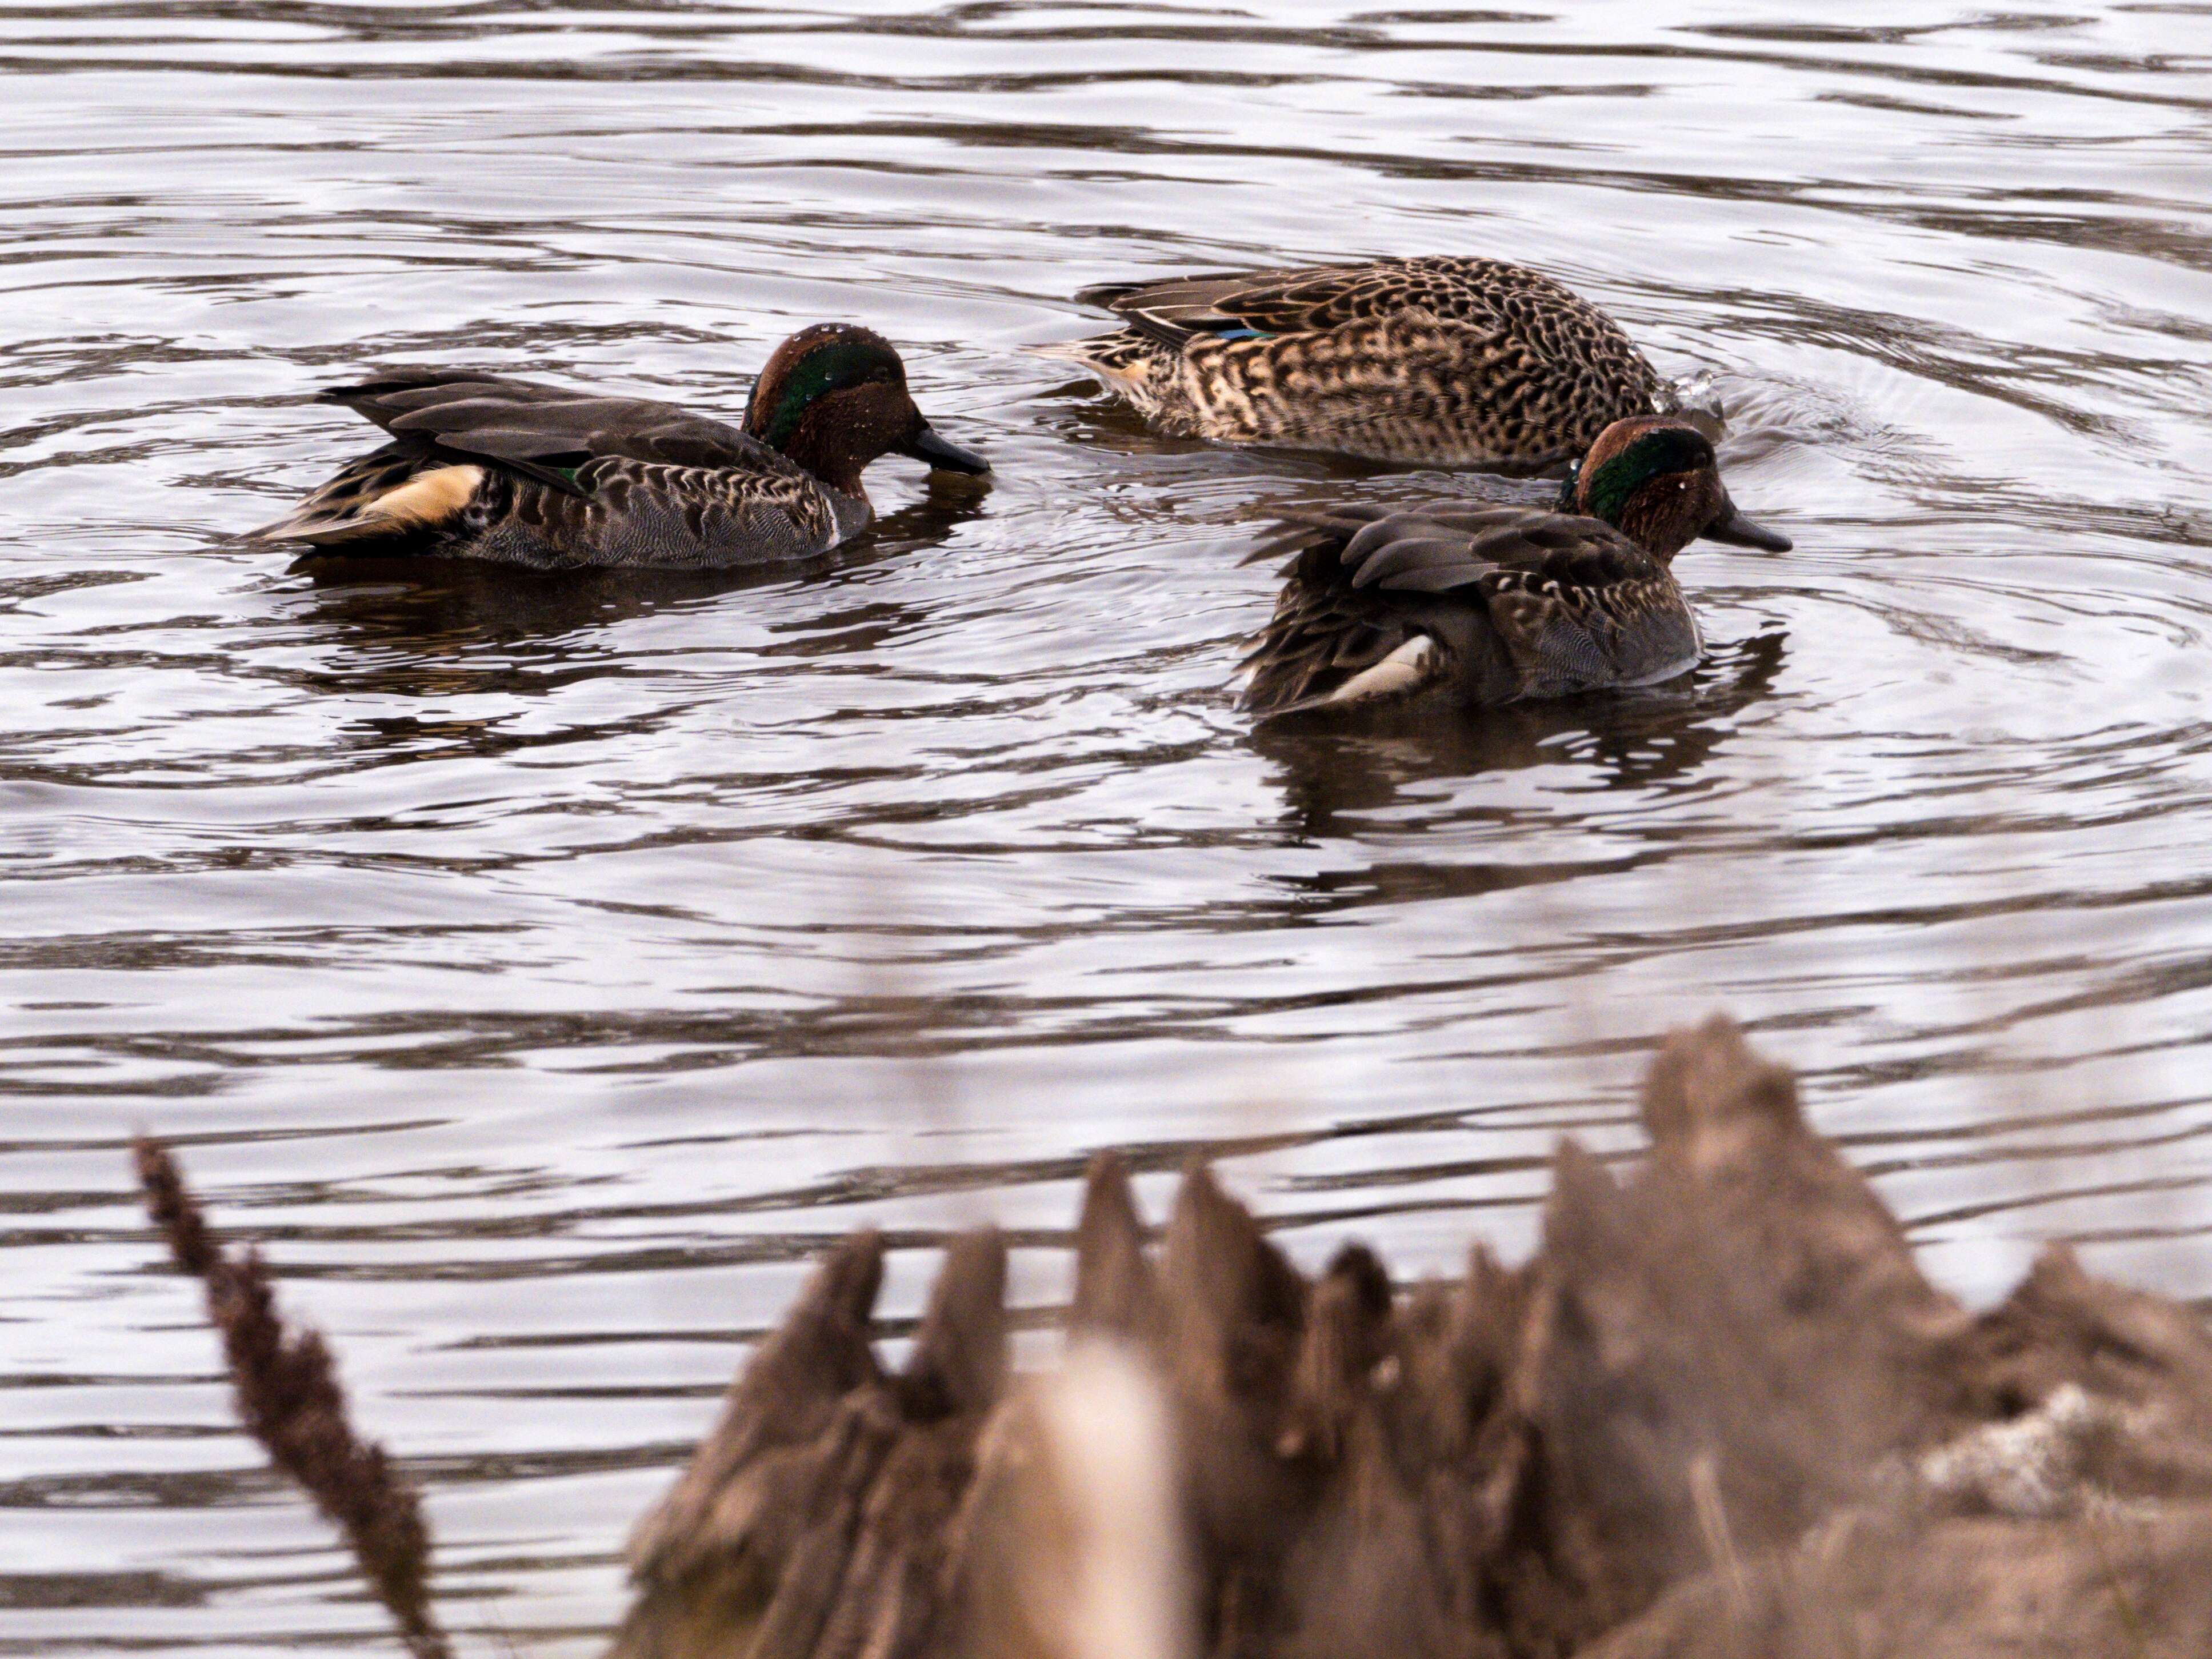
[(924, 445), (1737, 531)]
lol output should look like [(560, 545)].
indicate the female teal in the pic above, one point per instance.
[(1436, 362), (484, 467)]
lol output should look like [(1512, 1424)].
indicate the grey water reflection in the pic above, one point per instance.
[(545, 968)]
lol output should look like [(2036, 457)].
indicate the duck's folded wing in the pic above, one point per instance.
[(1331, 643), (1446, 549), (1327, 646), (546, 432), (1217, 302), (1317, 297)]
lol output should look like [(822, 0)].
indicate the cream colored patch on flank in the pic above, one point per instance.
[(1111, 1451), (1403, 669), (427, 498)]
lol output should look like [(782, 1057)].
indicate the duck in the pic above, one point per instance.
[(484, 467), (1433, 361), (1467, 604)]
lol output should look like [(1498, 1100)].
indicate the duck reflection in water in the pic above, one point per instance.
[(1652, 737)]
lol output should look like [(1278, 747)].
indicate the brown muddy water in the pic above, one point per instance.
[(544, 967)]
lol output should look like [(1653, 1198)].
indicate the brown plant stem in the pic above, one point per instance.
[(289, 1399)]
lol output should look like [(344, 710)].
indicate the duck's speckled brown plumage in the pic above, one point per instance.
[(514, 471), (1470, 604), (1435, 360)]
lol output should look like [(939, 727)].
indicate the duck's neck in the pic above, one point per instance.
[(1654, 519), (824, 446)]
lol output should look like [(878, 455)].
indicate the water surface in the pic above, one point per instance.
[(544, 969)]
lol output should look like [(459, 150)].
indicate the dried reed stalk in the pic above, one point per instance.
[(289, 1399)]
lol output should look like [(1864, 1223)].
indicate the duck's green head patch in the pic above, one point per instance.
[(811, 365), (1621, 462)]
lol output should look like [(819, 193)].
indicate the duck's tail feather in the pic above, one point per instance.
[(1299, 529), (396, 494), (1124, 360)]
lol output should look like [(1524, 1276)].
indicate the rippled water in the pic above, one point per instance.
[(543, 968)]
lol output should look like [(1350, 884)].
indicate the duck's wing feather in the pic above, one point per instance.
[(1494, 550), (1446, 546), (1484, 293), (1323, 638), (545, 432)]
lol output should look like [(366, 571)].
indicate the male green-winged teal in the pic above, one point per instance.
[(484, 467), (1467, 604), (1437, 362)]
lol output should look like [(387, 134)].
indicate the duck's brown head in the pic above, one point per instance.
[(834, 398), (1656, 480)]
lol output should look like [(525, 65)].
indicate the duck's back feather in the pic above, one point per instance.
[(544, 431), (1486, 293)]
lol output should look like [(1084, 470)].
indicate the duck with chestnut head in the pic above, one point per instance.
[(482, 466), (1466, 604)]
